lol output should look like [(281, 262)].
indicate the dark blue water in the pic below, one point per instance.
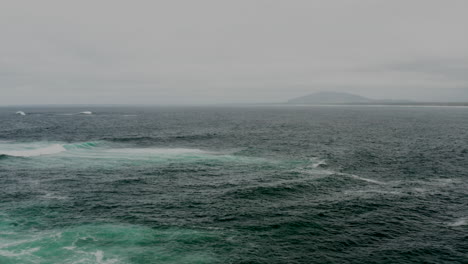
[(234, 185)]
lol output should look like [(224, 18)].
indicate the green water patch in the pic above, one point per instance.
[(106, 243), (84, 145)]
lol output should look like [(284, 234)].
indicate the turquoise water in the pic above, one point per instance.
[(104, 243), (233, 185)]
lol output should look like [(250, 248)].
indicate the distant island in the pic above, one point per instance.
[(330, 98), (339, 98)]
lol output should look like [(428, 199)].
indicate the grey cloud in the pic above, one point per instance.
[(229, 51), (447, 68)]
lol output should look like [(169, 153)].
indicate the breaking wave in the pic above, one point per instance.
[(32, 152), (39, 148), (25, 150), (93, 153)]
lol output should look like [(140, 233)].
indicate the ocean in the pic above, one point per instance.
[(250, 184)]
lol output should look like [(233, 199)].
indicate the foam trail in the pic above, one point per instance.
[(7, 253), (86, 113), (53, 149), (361, 178), (159, 151)]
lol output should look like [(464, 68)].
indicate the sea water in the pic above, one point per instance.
[(258, 184)]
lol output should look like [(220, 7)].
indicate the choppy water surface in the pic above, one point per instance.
[(234, 185)]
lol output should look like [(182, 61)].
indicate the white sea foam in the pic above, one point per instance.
[(97, 152), (69, 248), (21, 113), (100, 258), (459, 222), (319, 163), (31, 152), (86, 113), (87, 257), (159, 151), (4, 245), (53, 196), (371, 192), (7, 253), (360, 178), (330, 172)]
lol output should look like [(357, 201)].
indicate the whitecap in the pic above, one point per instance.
[(86, 113), (459, 222), (53, 196), (319, 164), (21, 113), (419, 190)]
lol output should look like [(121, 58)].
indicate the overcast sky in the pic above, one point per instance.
[(216, 51)]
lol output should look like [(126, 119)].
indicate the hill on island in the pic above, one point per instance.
[(331, 98)]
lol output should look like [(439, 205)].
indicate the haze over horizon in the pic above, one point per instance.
[(197, 52)]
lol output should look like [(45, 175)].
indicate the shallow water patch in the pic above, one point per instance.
[(108, 243)]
